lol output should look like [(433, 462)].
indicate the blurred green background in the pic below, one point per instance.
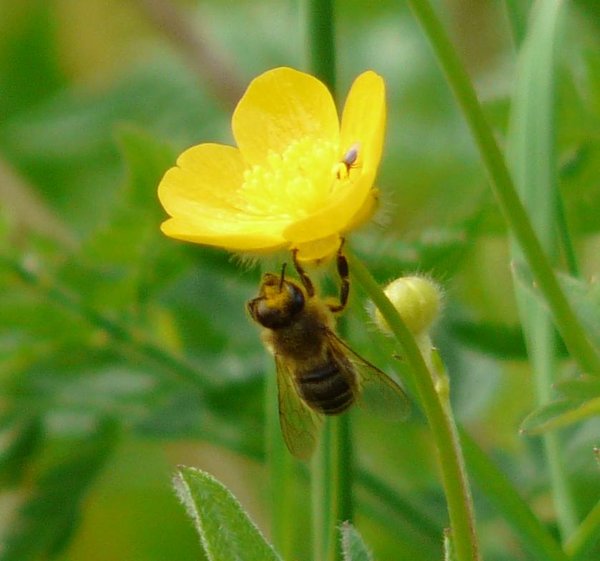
[(123, 353)]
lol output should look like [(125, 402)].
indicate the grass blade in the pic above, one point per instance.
[(531, 148)]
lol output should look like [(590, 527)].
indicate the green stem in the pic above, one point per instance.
[(331, 487), (321, 41), (332, 470), (280, 466), (516, 11), (345, 468), (514, 213), (323, 529), (566, 241), (119, 332), (585, 536), (439, 416)]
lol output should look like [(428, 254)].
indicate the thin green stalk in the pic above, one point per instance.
[(439, 416), (585, 537), (345, 461), (321, 40), (323, 528), (332, 471), (280, 465), (514, 213), (119, 332), (516, 11), (568, 249)]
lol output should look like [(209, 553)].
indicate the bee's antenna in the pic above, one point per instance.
[(282, 278)]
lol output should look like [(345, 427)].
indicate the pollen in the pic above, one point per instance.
[(290, 185)]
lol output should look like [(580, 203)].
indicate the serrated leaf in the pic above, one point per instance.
[(226, 531), (353, 546), (47, 519), (559, 414)]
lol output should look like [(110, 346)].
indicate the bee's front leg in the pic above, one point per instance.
[(308, 285), (344, 273)]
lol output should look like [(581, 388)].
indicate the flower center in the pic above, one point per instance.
[(293, 184)]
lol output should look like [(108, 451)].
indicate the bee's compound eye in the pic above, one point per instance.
[(296, 302), (278, 312)]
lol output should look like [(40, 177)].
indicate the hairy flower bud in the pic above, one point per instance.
[(418, 300)]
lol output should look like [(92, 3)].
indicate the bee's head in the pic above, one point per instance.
[(278, 301)]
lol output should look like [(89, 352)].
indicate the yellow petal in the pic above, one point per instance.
[(366, 211), (363, 120), (336, 216), (204, 182), (280, 107), (212, 234), (318, 250), (363, 126)]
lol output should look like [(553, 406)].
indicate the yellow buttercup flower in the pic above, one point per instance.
[(297, 179)]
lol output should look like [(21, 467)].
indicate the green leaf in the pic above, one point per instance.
[(449, 554), (581, 388), (47, 519), (147, 159), (581, 543), (21, 439), (226, 531), (536, 538), (585, 297), (494, 338), (558, 414), (30, 68), (353, 546)]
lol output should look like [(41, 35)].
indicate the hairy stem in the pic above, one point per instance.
[(436, 405)]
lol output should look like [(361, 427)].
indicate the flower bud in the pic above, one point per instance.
[(418, 300)]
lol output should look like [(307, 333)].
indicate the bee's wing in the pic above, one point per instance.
[(378, 391), (299, 423)]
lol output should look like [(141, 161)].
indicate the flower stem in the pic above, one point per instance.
[(331, 491), (280, 466), (331, 470), (436, 405), (514, 213), (321, 41)]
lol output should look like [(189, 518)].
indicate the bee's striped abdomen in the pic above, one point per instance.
[(326, 388)]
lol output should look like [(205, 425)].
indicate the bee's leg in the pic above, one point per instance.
[(308, 285), (344, 273)]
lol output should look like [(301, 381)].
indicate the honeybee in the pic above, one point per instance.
[(317, 372)]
